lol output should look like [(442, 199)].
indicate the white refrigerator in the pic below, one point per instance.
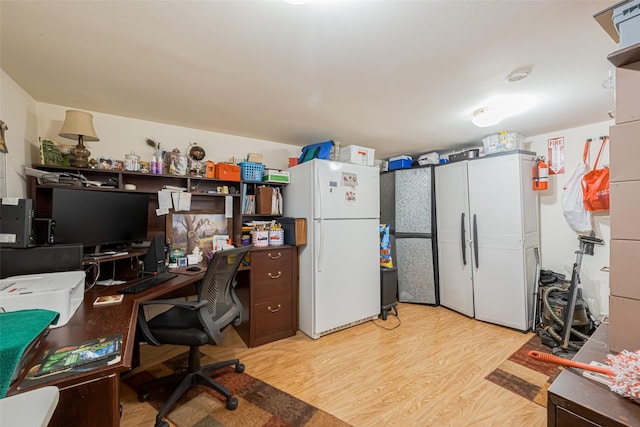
[(340, 264)]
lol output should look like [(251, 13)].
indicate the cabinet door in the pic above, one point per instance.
[(454, 255), (413, 201), (501, 227), (495, 197), (500, 285)]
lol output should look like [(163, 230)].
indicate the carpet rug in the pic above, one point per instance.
[(259, 404), (525, 376)]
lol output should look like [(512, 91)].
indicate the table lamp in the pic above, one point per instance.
[(79, 125)]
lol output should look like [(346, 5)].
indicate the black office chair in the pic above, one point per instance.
[(197, 323)]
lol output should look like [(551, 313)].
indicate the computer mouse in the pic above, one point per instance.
[(194, 268)]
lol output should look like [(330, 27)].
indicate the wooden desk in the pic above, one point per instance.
[(574, 400), (93, 398)]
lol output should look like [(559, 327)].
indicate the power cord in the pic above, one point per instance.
[(96, 267), (394, 312)]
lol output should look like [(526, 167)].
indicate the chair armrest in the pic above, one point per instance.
[(191, 305)]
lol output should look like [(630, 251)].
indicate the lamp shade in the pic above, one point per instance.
[(78, 123)]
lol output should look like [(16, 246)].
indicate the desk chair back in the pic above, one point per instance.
[(217, 288)]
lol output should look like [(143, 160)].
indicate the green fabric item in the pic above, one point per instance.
[(17, 330)]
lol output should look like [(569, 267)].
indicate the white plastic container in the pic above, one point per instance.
[(626, 18), (502, 141), (357, 155)]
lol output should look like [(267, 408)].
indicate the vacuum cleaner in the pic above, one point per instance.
[(564, 313)]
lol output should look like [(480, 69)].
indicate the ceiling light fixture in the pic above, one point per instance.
[(497, 108), (485, 117)]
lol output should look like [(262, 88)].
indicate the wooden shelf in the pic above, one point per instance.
[(625, 56), (207, 193)]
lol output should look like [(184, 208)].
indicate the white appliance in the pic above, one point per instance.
[(487, 230), (340, 264), (61, 291)]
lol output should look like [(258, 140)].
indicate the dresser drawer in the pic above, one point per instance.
[(264, 290), (266, 261), (273, 317)]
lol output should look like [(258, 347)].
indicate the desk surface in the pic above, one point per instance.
[(589, 399), (91, 322)]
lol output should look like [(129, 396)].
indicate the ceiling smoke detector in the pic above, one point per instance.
[(516, 76)]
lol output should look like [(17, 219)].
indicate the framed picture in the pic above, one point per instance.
[(189, 230)]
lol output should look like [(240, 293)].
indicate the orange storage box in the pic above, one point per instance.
[(228, 171)]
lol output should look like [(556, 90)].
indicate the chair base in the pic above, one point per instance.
[(194, 376)]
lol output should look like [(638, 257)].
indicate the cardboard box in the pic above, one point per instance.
[(295, 230), (624, 152), (357, 155), (624, 316), (628, 93), (625, 206), (264, 200), (624, 257), (627, 21), (281, 177)]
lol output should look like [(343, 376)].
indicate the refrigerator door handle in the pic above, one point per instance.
[(320, 246), (475, 240), (462, 240), (319, 191)]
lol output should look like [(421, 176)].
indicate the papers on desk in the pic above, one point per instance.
[(110, 282)]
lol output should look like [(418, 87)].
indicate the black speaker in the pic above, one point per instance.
[(154, 260), (16, 223), (40, 259)]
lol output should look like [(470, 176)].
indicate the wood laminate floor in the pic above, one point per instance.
[(425, 368)]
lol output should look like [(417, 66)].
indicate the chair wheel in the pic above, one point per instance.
[(239, 368), (232, 403), (142, 397), (162, 424)]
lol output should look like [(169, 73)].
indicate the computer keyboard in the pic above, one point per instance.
[(147, 283)]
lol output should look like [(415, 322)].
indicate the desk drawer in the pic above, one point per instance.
[(268, 260), (273, 317), (266, 289)]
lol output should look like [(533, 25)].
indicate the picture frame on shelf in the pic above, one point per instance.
[(188, 230)]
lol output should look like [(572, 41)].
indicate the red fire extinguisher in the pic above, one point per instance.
[(540, 175)]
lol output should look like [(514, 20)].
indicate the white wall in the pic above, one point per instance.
[(558, 241), (121, 135), (18, 111)]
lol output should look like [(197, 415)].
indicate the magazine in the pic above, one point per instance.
[(79, 357)]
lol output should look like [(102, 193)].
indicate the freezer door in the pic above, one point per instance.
[(416, 278), (345, 191), (454, 238), (347, 273), (413, 201)]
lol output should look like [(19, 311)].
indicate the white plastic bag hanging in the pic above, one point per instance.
[(577, 216)]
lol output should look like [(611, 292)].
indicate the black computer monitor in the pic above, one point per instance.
[(99, 220)]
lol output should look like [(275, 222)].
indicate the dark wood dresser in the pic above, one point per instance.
[(576, 401), (268, 290)]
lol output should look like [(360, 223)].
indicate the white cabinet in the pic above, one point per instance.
[(487, 222)]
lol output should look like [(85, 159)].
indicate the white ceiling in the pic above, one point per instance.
[(403, 77)]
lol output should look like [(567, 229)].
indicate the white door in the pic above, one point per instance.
[(344, 190), (347, 272), (454, 255)]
